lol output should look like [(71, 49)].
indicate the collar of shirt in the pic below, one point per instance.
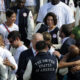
[(50, 30), (51, 50), (34, 52), (64, 39)]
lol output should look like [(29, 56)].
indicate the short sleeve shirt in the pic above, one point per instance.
[(18, 52)]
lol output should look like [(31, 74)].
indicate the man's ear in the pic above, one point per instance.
[(47, 48), (63, 34)]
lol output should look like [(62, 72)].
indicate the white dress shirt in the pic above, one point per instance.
[(34, 52)]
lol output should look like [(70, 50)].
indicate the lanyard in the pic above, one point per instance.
[(6, 27)]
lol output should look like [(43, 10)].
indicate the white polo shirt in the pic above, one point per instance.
[(5, 33), (63, 12)]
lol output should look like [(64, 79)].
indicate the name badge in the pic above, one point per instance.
[(54, 35), (24, 14)]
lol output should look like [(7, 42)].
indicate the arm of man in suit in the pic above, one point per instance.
[(28, 71)]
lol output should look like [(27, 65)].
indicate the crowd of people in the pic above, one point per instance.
[(39, 40)]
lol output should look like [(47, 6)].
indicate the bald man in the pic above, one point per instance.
[(28, 54)]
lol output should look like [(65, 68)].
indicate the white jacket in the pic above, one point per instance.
[(4, 70)]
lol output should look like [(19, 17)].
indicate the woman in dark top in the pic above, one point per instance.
[(51, 20), (49, 25)]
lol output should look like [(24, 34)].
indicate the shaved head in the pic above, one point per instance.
[(36, 37)]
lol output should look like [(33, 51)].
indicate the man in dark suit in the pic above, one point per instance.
[(26, 55), (65, 33)]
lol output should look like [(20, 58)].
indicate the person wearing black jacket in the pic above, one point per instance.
[(44, 64), (25, 21)]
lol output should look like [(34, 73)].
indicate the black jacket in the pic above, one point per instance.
[(44, 67), (65, 46), (23, 60)]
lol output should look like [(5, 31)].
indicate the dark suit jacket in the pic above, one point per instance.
[(66, 45), (23, 60)]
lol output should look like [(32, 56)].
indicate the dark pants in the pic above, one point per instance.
[(7, 3)]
